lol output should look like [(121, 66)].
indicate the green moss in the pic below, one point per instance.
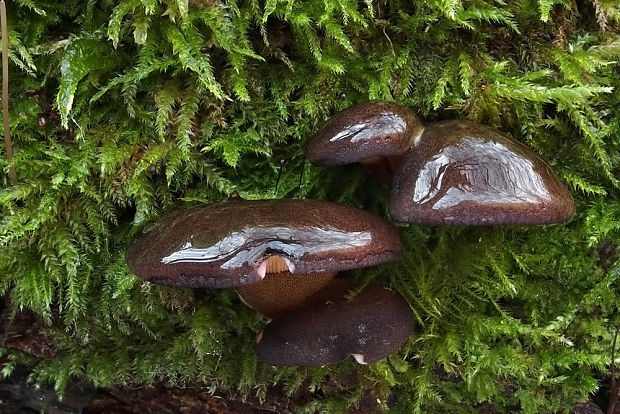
[(152, 103)]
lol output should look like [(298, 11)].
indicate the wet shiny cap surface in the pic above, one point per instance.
[(370, 326), (463, 173), (227, 244), (372, 129)]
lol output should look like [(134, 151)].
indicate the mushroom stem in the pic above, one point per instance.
[(383, 168), (277, 264)]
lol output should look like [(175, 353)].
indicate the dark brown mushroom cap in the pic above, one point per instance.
[(227, 244), (370, 326), (368, 130), (462, 173)]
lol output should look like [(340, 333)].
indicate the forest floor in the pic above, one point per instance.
[(18, 396), (22, 332)]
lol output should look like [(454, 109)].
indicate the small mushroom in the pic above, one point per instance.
[(229, 244), (463, 173), (328, 328), (376, 134)]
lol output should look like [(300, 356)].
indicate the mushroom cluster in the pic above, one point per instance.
[(280, 254), (453, 172)]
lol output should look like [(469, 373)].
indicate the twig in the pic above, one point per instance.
[(301, 176), (389, 40), (282, 161), (5, 93)]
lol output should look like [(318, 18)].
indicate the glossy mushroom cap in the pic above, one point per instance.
[(370, 326), (462, 173), (228, 244), (365, 131)]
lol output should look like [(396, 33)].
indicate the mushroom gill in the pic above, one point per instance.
[(280, 291)]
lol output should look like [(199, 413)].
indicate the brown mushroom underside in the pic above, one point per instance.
[(370, 326), (280, 290), (364, 131), (462, 173), (227, 244)]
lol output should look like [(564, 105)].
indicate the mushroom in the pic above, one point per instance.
[(229, 244), (328, 328), (463, 173), (377, 134)]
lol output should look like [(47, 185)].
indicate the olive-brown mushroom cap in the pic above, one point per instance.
[(462, 173), (364, 131), (227, 244), (370, 326)]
